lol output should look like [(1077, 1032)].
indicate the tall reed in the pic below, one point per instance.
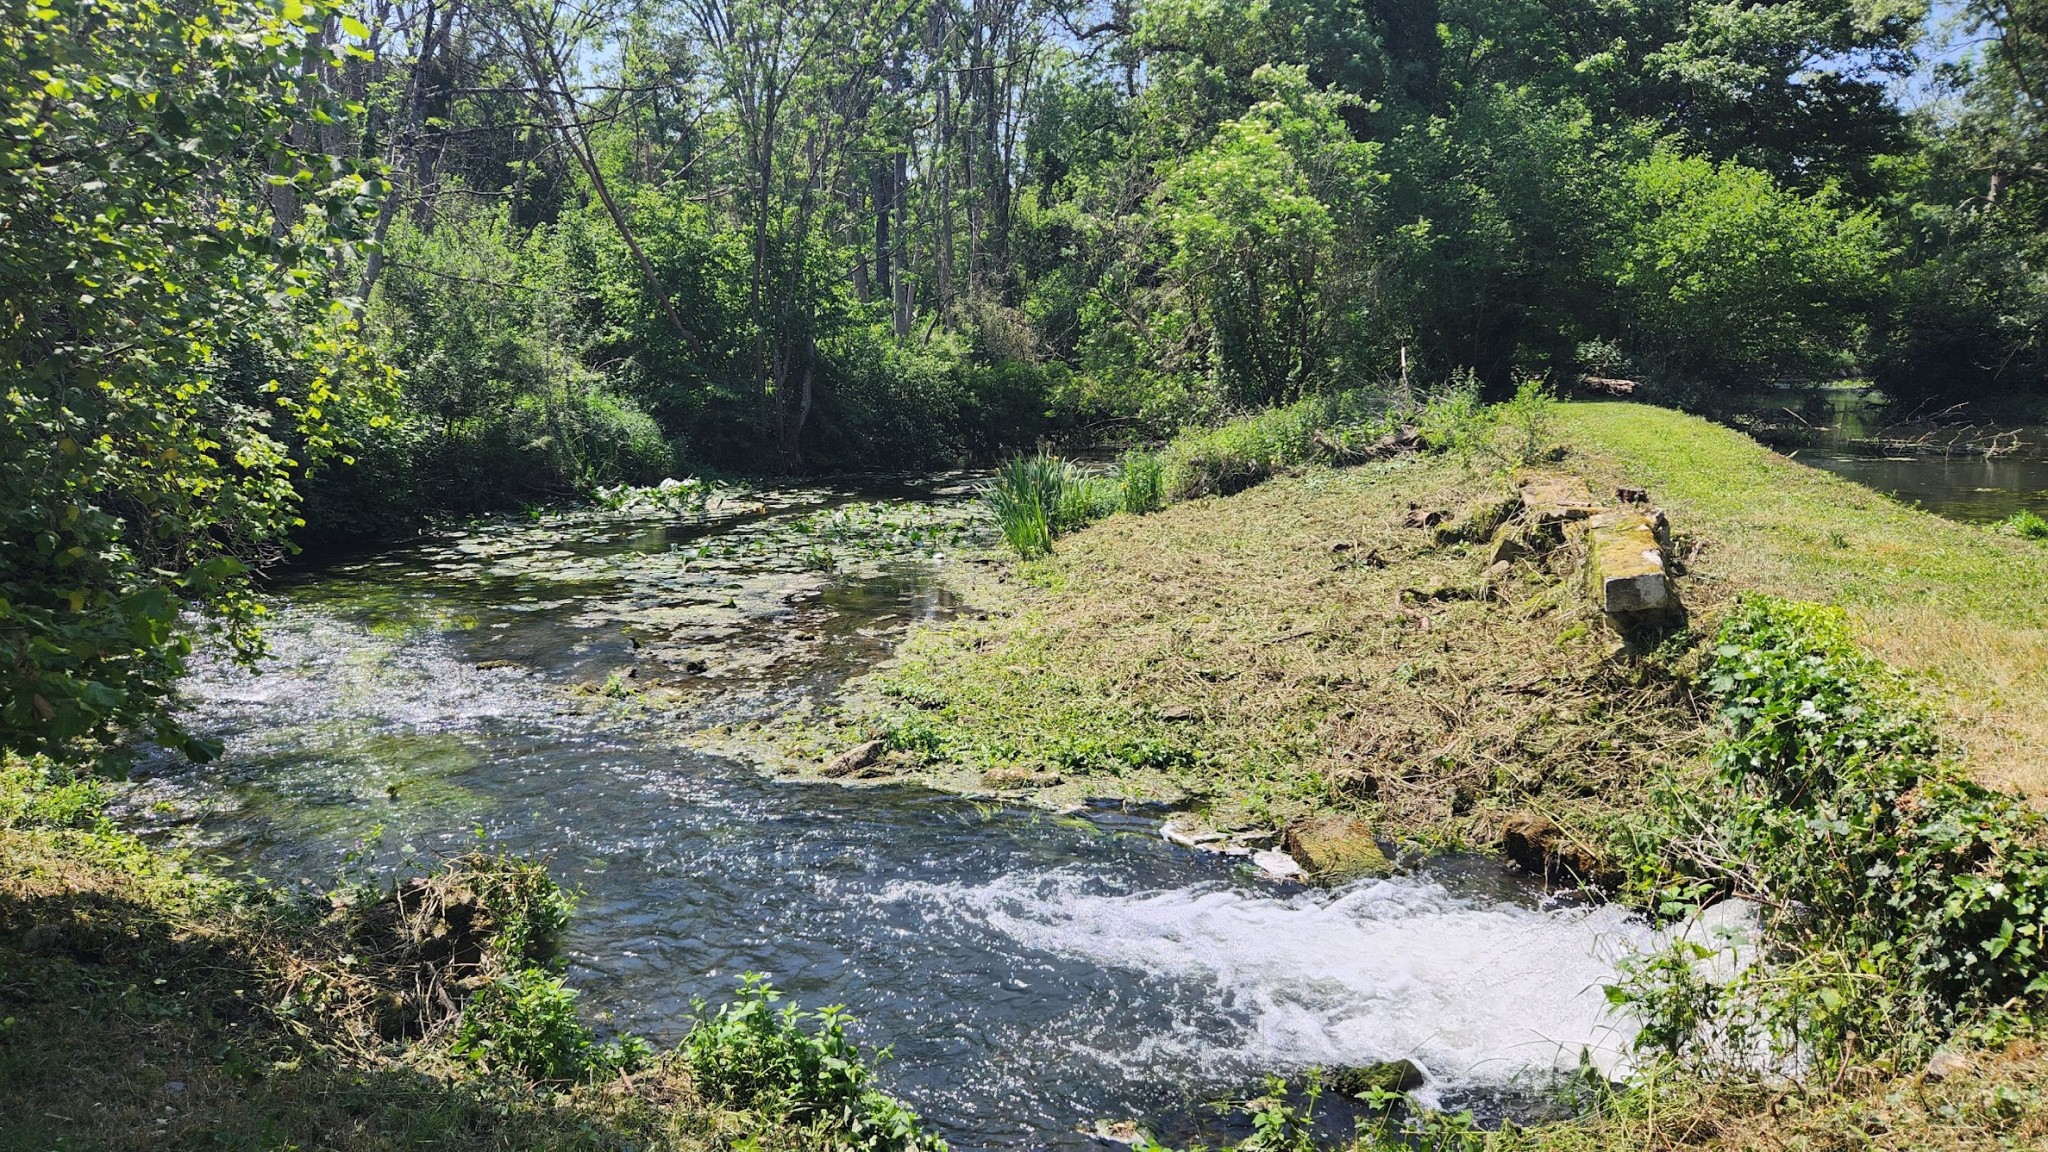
[(1025, 497)]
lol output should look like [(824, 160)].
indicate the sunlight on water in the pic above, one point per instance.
[(1031, 972)]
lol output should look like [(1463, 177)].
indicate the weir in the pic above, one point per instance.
[(1033, 971)]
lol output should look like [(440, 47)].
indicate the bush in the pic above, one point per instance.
[(751, 1055), (1233, 456), (1141, 478), (1903, 902), (1085, 499)]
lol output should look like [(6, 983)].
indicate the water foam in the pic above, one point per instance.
[(1479, 993)]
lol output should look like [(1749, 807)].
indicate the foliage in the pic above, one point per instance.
[(1236, 454), (2027, 525), (171, 362), (526, 1020), (1727, 271), (751, 1055), (1909, 902), (1141, 476), (1024, 497)]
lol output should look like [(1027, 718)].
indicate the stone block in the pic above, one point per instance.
[(1625, 569)]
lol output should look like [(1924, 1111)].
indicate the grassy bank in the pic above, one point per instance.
[(1962, 609), (1834, 735), (1317, 642), (145, 1003)]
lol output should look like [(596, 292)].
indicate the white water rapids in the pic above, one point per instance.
[(1475, 992)]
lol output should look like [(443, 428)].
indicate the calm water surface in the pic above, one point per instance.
[(1031, 971), (1974, 489)]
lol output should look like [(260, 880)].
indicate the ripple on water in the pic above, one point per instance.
[(1031, 972)]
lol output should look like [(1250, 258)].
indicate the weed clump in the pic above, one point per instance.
[(1025, 499), (1142, 479), (2026, 524), (751, 1055), (1037, 498)]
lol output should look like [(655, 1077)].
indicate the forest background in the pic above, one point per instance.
[(283, 272)]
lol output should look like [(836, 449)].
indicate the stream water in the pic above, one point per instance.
[(1838, 430), (1032, 971)]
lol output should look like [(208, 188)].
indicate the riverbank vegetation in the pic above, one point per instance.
[(148, 1003), (276, 273), (1339, 639)]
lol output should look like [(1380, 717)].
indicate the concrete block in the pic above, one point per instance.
[(1625, 569)]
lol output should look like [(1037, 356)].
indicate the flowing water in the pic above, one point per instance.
[(1032, 971)]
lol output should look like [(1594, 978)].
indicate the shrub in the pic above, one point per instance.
[(1904, 902), (1454, 421), (749, 1054), (1523, 424), (1085, 499), (1141, 479), (1235, 455)]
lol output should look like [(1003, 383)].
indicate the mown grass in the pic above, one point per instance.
[(1962, 609), (1293, 647), (1299, 646), (146, 1004)]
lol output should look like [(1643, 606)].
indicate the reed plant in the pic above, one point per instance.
[(1025, 498), (1141, 478)]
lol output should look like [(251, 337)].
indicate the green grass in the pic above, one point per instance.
[(1962, 609), (149, 1004)]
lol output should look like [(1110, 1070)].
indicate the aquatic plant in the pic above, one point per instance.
[(796, 1065), (1025, 498)]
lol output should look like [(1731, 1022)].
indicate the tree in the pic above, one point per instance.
[(173, 359), (1725, 271)]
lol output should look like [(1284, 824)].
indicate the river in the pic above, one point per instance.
[(1031, 971)]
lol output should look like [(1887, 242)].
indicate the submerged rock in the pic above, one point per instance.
[(1020, 778), (1543, 849), (1387, 1076), (1336, 849), (1278, 865)]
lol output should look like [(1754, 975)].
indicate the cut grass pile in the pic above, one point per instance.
[(1298, 646), (1294, 647)]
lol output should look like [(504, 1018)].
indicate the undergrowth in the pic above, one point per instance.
[(150, 1003), (2026, 524), (1901, 903), (750, 1054)]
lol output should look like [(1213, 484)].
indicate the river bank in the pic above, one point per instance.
[(535, 679), (1301, 645)]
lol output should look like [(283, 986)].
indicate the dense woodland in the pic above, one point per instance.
[(285, 271)]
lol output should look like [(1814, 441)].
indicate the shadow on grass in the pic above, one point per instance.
[(124, 1026)]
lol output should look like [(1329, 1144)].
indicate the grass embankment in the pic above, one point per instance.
[(147, 1004), (1300, 645), (1317, 643), (1962, 609)]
